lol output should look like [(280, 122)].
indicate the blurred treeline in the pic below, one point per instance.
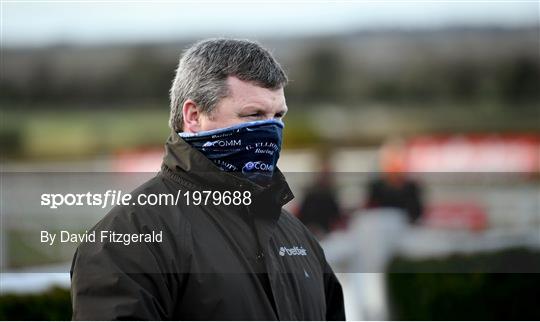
[(427, 66), (493, 70)]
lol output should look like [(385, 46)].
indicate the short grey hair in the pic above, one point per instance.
[(203, 70)]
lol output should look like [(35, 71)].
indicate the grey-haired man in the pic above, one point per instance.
[(240, 257)]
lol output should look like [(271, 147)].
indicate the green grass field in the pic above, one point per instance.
[(52, 133)]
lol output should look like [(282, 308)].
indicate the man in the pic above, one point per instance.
[(393, 189), (242, 258)]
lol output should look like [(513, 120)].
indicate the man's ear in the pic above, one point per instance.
[(191, 115)]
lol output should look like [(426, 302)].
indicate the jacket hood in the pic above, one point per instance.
[(185, 163)]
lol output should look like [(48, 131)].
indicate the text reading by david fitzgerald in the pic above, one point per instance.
[(103, 236)]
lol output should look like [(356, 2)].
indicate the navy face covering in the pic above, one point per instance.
[(251, 148)]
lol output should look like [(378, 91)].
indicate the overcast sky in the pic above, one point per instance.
[(39, 23)]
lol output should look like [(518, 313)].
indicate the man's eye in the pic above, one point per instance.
[(253, 115)]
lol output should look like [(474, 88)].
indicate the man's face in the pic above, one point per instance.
[(246, 102)]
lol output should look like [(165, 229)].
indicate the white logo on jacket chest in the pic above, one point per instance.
[(293, 251)]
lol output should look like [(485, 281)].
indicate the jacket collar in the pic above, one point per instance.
[(183, 162)]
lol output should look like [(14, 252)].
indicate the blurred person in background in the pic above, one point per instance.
[(252, 261), (393, 188), (320, 210)]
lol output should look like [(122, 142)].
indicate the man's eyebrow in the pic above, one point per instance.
[(251, 109), (259, 109)]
